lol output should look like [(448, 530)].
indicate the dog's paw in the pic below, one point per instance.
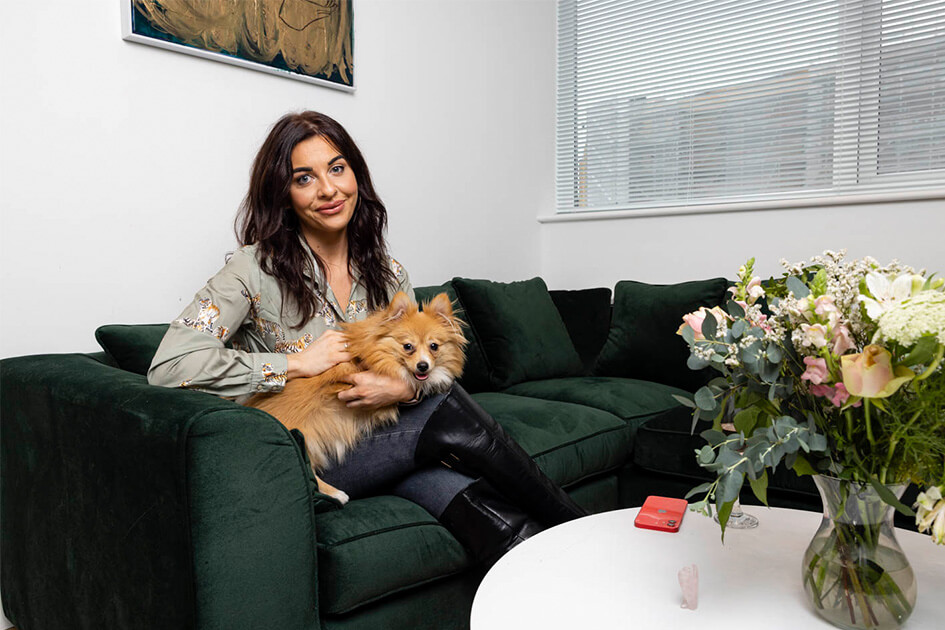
[(340, 496)]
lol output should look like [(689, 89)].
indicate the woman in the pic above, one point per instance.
[(313, 255)]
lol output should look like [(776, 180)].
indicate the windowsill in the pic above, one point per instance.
[(745, 206)]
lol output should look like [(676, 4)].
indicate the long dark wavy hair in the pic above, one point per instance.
[(266, 217)]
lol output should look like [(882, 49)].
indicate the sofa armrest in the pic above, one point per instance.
[(124, 505)]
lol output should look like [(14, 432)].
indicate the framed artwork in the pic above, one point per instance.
[(307, 40)]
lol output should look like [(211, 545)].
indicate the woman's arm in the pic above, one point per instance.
[(193, 352)]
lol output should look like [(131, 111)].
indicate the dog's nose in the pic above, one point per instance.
[(422, 367)]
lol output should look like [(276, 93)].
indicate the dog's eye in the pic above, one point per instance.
[(408, 347), (434, 346)]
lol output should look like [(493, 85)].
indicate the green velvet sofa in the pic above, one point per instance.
[(131, 506)]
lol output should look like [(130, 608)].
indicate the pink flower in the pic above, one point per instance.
[(870, 374), (842, 341), (816, 371), (694, 320), (837, 394), (824, 305), (840, 395)]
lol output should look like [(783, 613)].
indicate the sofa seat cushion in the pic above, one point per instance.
[(569, 442), (632, 400), (379, 546)]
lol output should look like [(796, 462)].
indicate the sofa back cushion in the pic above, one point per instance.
[(132, 346), (643, 343), (475, 375), (522, 335), (586, 315)]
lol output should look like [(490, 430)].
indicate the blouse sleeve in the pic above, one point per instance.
[(192, 353)]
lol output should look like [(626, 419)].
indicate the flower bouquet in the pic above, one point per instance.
[(835, 370)]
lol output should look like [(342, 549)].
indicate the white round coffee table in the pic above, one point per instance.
[(601, 572)]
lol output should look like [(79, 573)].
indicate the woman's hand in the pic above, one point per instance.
[(325, 352), (371, 390)]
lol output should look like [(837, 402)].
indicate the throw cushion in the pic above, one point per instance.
[(522, 334), (132, 346), (586, 315), (643, 342)]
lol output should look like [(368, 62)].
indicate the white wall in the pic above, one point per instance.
[(122, 165), (671, 249)]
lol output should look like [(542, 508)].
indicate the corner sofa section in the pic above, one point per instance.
[(126, 505)]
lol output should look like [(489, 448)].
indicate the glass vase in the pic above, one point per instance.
[(855, 573)]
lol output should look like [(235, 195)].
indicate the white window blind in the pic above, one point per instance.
[(692, 102)]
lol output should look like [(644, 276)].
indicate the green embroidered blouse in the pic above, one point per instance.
[(242, 305)]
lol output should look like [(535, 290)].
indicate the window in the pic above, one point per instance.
[(680, 103)]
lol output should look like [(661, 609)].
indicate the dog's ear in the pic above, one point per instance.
[(440, 305), (399, 306)]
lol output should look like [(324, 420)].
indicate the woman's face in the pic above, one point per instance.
[(324, 190)]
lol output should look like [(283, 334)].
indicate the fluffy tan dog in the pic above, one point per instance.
[(424, 348)]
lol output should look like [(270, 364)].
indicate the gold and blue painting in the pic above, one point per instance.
[(309, 40)]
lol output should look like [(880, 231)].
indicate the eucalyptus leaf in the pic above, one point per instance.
[(713, 437), (724, 510), (760, 487), (739, 328), (729, 486), (696, 362), (818, 443), (798, 288), (751, 353), (695, 420), (689, 335), (688, 402), (698, 490), (735, 309), (774, 353), (706, 455), (770, 371), (705, 400), (709, 326)]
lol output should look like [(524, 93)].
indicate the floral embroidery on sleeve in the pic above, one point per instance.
[(204, 322)]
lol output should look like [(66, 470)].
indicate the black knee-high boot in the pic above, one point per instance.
[(463, 436), (486, 523)]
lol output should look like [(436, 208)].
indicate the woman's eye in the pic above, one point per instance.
[(337, 168), (408, 347), (434, 346), (304, 179)]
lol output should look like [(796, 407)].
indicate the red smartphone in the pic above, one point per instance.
[(662, 513)]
